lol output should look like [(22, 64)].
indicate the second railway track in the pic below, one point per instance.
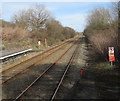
[(11, 72), (55, 69)]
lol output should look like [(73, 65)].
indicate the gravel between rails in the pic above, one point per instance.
[(66, 90), (13, 88), (44, 88)]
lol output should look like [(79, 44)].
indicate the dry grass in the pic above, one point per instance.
[(10, 34), (15, 36)]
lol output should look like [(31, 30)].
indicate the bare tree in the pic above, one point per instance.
[(99, 18), (101, 32), (32, 18), (115, 9)]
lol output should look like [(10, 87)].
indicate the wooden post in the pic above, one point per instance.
[(46, 43)]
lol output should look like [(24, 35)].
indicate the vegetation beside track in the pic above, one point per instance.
[(99, 80), (102, 31), (29, 26)]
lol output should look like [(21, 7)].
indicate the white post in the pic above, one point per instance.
[(111, 63)]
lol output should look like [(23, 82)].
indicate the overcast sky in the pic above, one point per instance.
[(71, 14)]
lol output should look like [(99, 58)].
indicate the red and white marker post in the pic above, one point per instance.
[(81, 72), (111, 55), (39, 43)]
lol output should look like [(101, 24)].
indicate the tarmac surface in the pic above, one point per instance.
[(8, 52)]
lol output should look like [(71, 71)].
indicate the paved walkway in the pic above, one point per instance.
[(8, 52)]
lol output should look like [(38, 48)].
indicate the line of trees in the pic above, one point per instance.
[(35, 24), (102, 31), (33, 18)]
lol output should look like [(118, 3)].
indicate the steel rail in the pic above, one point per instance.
[(13, 67), (25, 90), (38, 61), (32, 58), (63, 76)]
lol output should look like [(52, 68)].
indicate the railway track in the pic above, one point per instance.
[(10, 73), (54, 96), (53, 76)]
